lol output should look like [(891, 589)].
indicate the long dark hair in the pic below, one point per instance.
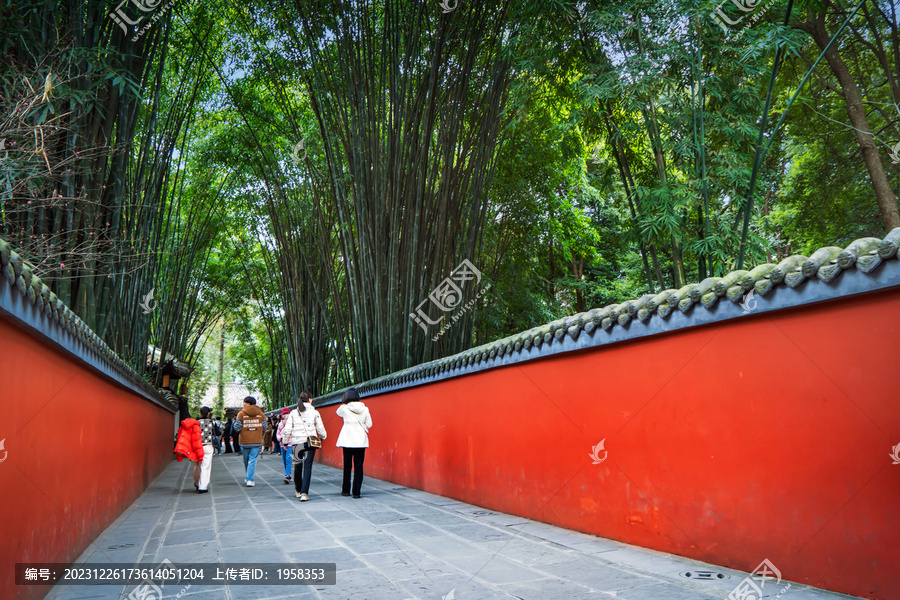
[(301, 401), (351, 395)]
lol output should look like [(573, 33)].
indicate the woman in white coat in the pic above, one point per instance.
[(354, 439), (303, 422)]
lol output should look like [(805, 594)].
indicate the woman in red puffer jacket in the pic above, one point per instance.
[(190, 443)]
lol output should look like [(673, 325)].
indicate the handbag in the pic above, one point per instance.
[(314, 440)]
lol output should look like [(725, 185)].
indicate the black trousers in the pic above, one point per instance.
[(353, 457), (235, 442), (227, 439), (303, 471)]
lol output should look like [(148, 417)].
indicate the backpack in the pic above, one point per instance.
[(216, 430)]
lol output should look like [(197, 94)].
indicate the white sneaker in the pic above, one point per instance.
[(251, 483), (303, 497)]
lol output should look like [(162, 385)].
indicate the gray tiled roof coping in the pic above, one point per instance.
[(27, 302), (866, 265)]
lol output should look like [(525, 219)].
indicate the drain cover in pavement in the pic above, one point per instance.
[(705, 575)]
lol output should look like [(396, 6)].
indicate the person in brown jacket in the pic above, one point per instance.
[(267, 437), (251, 423)]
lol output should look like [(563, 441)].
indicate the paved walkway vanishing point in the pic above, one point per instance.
[(394, 543)]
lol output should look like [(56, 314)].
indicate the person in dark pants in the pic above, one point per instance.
[(354, 439), (302, 423), (226, 437), (235, 439), (276, 444)]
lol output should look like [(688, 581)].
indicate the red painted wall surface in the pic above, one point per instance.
[(763, 437), (80, 451)]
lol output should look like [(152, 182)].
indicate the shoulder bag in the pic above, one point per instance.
[(314, 440)]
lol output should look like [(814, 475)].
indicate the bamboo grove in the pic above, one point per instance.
[(303, 175), (90, 191)]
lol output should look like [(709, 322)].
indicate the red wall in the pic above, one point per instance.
[(80, 451), (762, 437)]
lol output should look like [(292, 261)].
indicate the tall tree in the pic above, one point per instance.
[(879, 29)]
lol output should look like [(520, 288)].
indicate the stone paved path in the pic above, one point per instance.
[(394, 543)]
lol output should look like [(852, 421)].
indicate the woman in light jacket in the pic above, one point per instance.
[(301, 423), (354, 439)]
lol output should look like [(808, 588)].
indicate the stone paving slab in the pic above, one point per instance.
[(395, 543)]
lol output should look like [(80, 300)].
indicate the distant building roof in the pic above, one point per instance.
[(172, 366)]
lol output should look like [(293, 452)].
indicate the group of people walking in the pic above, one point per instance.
[(299, 433)]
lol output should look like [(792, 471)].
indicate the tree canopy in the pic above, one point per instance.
[(351, 187)]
